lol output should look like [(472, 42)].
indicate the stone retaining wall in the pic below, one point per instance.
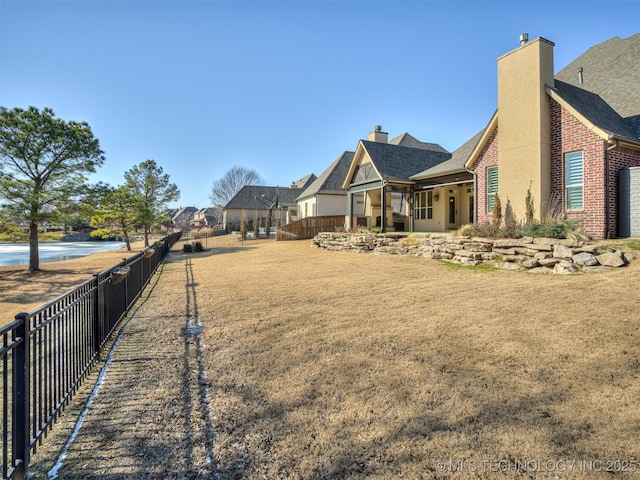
[(536, 255)]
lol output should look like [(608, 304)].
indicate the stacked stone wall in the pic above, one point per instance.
[(536, 255)]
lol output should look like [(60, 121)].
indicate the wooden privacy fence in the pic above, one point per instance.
[(309, 227), (46, 354)]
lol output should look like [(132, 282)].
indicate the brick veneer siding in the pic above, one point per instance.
[(488, 157), (568, 134)]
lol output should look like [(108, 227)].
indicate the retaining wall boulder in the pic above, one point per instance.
[(536, 255)]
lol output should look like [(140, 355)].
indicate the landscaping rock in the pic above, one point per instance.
[(478, 247), (541, 270), (562, 251), (612, 259), (564, 267), (505, 251), (585, 258), (548, 262), (540, 255), (507, 266), (513, 258)]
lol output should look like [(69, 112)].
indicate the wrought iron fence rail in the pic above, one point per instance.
[(47, 354)]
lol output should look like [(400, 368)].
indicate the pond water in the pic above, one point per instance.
[(18, 253)]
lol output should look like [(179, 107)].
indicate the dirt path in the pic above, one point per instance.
[(150, 417)]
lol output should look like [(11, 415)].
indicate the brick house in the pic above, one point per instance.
[(565, 138)]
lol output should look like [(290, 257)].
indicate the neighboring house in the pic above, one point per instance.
[(380, 189), (564, 138), (325, 196), (180, 218), (260, 202), (205, 217)]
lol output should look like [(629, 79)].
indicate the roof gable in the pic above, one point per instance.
[(407, 140), (394, 162), (331, 180)]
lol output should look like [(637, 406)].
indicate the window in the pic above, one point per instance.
[(364, 173), (574, 180), (492, 187), (423, 205)]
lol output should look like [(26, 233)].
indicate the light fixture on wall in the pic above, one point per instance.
[(436, 197)]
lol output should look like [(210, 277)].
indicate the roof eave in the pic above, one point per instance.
[(484, 140), (417, 177), (605, 135)]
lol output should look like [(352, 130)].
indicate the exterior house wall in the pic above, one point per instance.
[(307, 207), (568, 134), (488, 158), (331, 205)]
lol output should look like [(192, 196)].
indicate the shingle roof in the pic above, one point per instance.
[(610, 70), (304, 182), (251, 197), (596, 110), (394, 162), (331, 180), (407, 140), (455, 163)]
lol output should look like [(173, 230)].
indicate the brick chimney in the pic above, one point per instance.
[(378, 135), (524, 145)]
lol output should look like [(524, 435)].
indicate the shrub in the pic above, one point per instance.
[(529, 210), (497, 212), (243, 225), (256, 226)]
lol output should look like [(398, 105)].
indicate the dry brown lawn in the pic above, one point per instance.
[(276, 360)]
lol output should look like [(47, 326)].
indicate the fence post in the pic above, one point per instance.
[(21, 422), (97, 307), (126, 286)]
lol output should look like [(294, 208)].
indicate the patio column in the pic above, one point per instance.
[(349, 219), (383, 208)]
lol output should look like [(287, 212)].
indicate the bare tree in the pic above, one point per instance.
[(231, 182)]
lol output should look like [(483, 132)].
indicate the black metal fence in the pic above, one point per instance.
[(46, 354)]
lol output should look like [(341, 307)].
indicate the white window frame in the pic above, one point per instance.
[(423, 205), (492, 188), (574, 180)]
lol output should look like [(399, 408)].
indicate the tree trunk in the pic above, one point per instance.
[(146, 237), (34, 254)]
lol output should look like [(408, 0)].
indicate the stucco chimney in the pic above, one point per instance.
[(524, 144), (378, 135)]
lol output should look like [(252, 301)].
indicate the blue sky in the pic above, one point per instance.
[(282, 87)]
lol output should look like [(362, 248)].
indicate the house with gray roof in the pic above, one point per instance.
[(259, 202), (379, 184), (563, 138), (325, 195)]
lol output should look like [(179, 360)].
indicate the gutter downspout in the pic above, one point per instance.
[(607, 213), (475, 196)]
